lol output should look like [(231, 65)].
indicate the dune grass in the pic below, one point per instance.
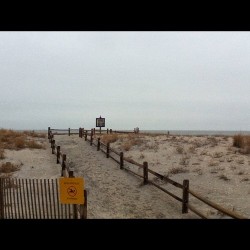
[(242, 142), (8, 167), (13, 140)]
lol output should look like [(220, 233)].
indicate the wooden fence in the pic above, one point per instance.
[(34, 199), (119, 158), (66, 171)]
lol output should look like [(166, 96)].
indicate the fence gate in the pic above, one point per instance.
[(34, 199)]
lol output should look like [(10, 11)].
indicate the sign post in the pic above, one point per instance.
[(100, 122)]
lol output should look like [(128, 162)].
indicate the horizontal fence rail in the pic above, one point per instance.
[(121, 160)]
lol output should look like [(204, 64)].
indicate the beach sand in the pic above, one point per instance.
[(214, 168)]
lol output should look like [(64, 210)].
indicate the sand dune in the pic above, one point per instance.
[(215, 169)]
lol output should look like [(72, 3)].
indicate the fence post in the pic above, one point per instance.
[(58, 154), (121, 160), (185, 197), (108, 150), (94, 131), (1, 199), (98, 144), (69, 131), (51, 137), (145, 172), (63, 164), (71, 175), (48, 132), (79, 132), (84, 206), (91, 138), (107, 130), (53, 146), (110, 131), (86, 134)]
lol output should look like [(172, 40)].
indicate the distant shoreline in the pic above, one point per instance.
[(171, 132)]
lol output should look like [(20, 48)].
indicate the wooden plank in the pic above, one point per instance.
[(54, 198), (132, 162), (162, 177), (42, 198), (24, 199), (145, 173), (1, 199), (121, 160), (114, 151), (32, 200), (6, 194), (11, 199), (127, 169), (49, 204), (185, 196), (114, 159), (18, 200), (21, 198), (38, 199), (164, 190), (35, 196), (194, 210), (46, 199), (216, 206)]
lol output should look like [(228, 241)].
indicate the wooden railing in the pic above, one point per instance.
[(119, 158), (80, 211)]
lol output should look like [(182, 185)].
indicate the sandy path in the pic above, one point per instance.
[(114, 193)]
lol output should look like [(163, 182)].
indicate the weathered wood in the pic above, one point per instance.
[(194, 210), (107, 154), (98, 144), (86, 134), (71, 175), (121, 160), (166, 191), (91, 139), (162, 177), (110, 156), (53, 146), (133, 162), (1, 199), (110, 131), (134, 173), (69, 131), (58, 154), (63, 165), (48, 132), (35, 197), (114, 151), (145, 173), (216, 206), (107, 130), (85, 206), (185, 196)]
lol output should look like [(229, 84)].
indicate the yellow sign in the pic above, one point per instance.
[(71, 190)]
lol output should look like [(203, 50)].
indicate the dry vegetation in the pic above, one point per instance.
[(8, 167), (14, 140), (242, 142)]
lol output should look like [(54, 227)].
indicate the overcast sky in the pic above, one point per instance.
[(151, 80)]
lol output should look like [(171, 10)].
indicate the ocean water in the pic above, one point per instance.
[(198, 132), (173, 132)]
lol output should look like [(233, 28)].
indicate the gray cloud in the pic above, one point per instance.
[(153, 80)]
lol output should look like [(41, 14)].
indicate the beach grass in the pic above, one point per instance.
[(14, 140)]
